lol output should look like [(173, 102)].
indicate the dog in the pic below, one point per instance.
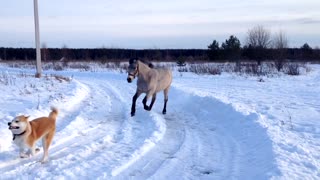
[(27, 133)]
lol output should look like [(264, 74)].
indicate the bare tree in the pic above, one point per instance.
[(65, 55), (258, 40), (259, 37), (280, 43), (280, 40), (65, 52)]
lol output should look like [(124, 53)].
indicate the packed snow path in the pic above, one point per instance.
[(199, 138)]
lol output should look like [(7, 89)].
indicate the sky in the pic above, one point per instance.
[(143, 24)]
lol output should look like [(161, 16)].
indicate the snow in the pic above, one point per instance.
[(216, 127)]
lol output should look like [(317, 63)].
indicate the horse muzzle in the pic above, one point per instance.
[(130, 78)]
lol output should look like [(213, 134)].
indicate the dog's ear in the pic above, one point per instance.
[(26, 117)]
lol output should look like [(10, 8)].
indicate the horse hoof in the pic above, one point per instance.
[(132, 114), (164, 112), (147, 108)]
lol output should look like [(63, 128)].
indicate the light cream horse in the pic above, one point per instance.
[(150, 81)]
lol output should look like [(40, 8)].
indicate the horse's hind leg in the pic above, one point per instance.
[(165, 92), (134, 99)]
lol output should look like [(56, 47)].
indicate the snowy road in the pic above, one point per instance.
[(199, 138)]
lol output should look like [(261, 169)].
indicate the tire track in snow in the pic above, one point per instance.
[(70, 106), (229, 143), (87, 151), (178, 154), (85, 140), (127, 145), (205, 139), (138, 134), (68, 141), (73, 98), (164, 149)]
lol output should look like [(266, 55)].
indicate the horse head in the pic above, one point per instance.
[(132, 70)]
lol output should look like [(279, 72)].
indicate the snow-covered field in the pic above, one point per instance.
[(216, 127)]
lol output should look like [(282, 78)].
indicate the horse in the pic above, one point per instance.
[(149, 81)]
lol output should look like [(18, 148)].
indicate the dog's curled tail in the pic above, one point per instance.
[(54, 113)]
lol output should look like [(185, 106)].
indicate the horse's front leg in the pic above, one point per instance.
[(134, 99), (145, 100), (153, 100)]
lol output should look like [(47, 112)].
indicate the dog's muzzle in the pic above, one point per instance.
[(12, 127)]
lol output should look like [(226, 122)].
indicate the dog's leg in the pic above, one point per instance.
[(37, 149), (33, 150), (45, 153), (46, 141), (22, 153)]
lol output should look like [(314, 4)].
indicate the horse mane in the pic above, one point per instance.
[(149, 64)]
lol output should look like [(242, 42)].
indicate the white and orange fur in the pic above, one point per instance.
[(26, 133)]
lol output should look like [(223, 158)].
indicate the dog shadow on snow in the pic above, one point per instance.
[(9, 160)]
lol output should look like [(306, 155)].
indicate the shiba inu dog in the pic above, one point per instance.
[(26, 133)]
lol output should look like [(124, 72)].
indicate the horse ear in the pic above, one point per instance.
[(132, 60)]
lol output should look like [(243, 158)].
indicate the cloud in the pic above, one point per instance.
[(158, 19)]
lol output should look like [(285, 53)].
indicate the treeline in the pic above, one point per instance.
[(102, 54), (246, 53), (260, 45), (250, 53)]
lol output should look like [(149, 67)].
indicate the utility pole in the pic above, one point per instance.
[(37, 36)]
